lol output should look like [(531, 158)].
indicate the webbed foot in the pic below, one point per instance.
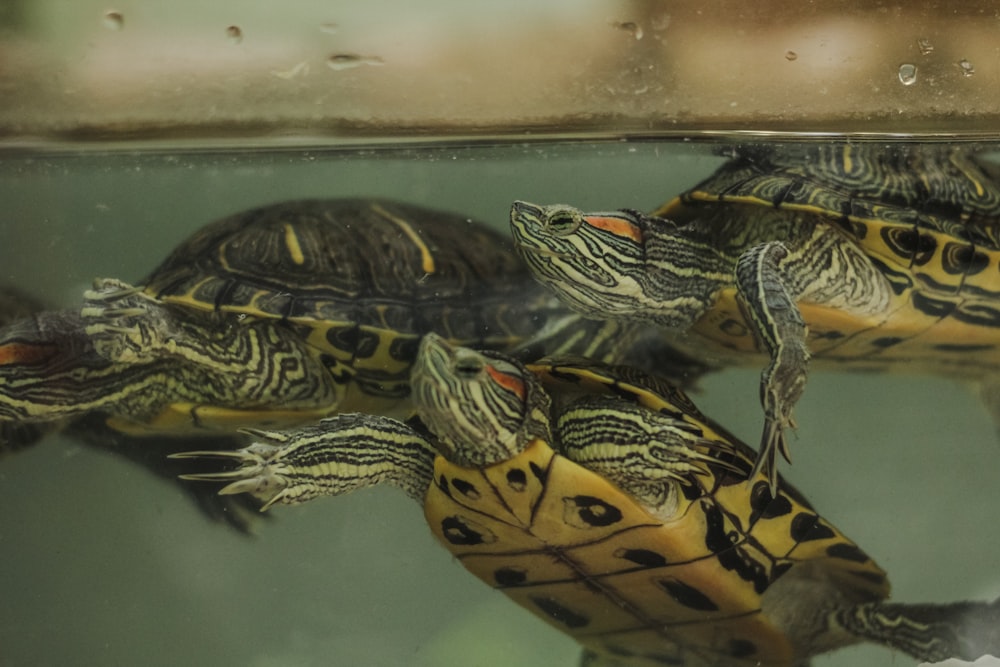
[(330, 458), (262, 473)]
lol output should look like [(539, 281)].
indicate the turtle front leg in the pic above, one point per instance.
[(778, 325), (647, 453), (254, 364), (330, 458)]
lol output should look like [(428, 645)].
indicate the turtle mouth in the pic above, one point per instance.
[(543, 252)]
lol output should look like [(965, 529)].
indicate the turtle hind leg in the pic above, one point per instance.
[(929, 632)]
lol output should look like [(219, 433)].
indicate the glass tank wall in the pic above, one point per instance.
[(124, 127)]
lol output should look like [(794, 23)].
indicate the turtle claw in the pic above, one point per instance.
[(261, 472), (110, 289), (772, 442), (120, 312), (253, 477), (253, 461)]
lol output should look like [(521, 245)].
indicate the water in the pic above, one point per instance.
[(105, 565)]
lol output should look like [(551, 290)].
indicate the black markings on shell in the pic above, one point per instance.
[(404, 348), (517, 480), (904, 241), (964, 348), (589, 512), (716, 538), (780, 569), (510, 576), (746, 567), (887, 341), (687, 595), (466, 488), (847, 551), (806, 527), (979, 315), (962, 259), (937, 308), (463, 531), (778, 507), (560, 613), (643, 557)]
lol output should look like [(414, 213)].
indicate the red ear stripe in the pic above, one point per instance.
[(507, 381), (617, 226), (26, 353)]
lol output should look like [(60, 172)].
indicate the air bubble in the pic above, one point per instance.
[(234, 34), (631, 27), (966, 67), (114, 20), (907, 74), (925, 46), (791, 55), (341, 61)]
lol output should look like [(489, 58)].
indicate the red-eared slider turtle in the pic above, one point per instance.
[(605, 503), (277, 315), (281, 314), (856, 255)]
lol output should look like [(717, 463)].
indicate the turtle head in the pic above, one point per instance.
[(595, 262), (483, 408)]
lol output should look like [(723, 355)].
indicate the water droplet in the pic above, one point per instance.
[(339, 61), (907, 74), (966, 67), (234, 34), (631, 27), (660, 22), (114, 20), (791, 55), (298, 70), (925, 46), (328, 28)]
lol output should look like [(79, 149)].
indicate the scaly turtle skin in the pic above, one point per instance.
[(274, 316), (855, 255), (150, 451), (600, 499), (277, 315)]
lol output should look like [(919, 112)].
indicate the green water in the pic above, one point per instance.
[(102, 564)]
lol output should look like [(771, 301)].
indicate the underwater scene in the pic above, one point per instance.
[(108, 560)]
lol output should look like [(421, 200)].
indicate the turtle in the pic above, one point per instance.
[(858, 256), (281, 314), (601, 499)]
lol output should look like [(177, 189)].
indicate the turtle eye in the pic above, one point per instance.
[(468, 366), (563, 222)]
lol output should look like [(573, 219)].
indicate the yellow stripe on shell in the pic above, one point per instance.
[(426, 257), (293, 245)]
